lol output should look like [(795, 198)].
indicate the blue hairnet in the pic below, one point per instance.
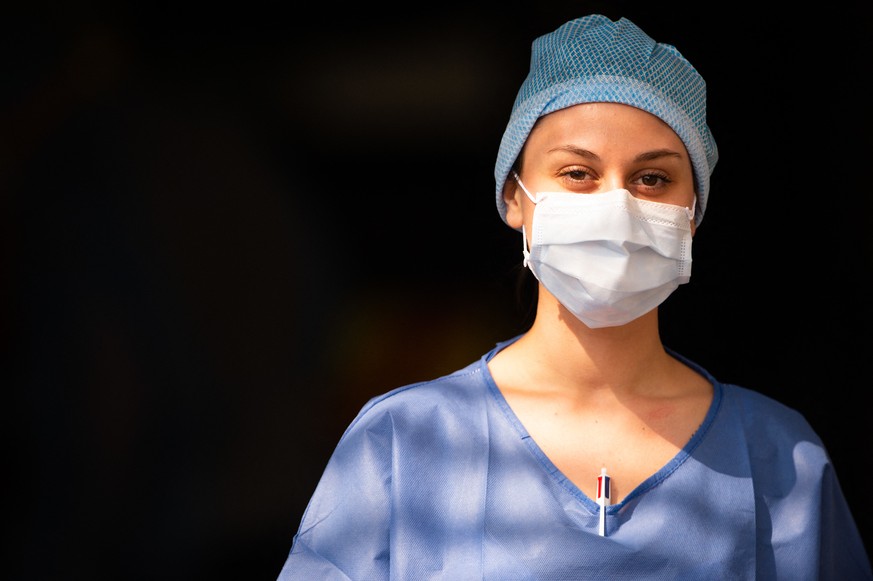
[(593, 59)]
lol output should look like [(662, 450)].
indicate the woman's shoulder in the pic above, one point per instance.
[(461, 383), (757, 411), (770, 428), (459, 395), (757, 407)]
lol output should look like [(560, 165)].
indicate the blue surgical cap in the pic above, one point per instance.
[(594, 59)]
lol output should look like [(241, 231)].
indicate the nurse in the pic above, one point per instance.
[(584, 447)]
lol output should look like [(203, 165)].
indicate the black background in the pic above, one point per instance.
[(224, 229)]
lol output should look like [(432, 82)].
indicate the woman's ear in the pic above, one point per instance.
[(512, 198)]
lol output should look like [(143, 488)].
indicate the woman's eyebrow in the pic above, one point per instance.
[(588, 154), (657, 154), (580, 151)]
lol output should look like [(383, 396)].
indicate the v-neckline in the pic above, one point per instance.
[(558, 475)]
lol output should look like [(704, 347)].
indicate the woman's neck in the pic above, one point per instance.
[(561, 350)]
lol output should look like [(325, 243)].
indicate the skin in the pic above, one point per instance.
[(607, 397)]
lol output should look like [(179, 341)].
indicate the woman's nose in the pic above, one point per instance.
[(611, 182)]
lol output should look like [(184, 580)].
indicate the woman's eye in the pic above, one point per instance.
[(653, 180), (577, 174)]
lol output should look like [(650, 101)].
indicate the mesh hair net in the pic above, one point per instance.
[(594, 59)]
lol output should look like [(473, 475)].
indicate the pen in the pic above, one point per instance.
[(603, 498)]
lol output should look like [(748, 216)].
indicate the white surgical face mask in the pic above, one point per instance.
[(608, 257)]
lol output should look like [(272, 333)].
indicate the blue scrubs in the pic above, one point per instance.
[(440, 480)]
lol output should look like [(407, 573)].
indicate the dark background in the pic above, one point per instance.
[(224, 229)]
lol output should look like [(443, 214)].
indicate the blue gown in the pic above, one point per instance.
[(440, 480)]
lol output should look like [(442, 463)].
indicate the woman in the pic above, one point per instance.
[(584, 447)]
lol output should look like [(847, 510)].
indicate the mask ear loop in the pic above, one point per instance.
[(518, 179), (524, 250), (690, 211)]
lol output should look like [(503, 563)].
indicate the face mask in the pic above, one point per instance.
[(608, 258)]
